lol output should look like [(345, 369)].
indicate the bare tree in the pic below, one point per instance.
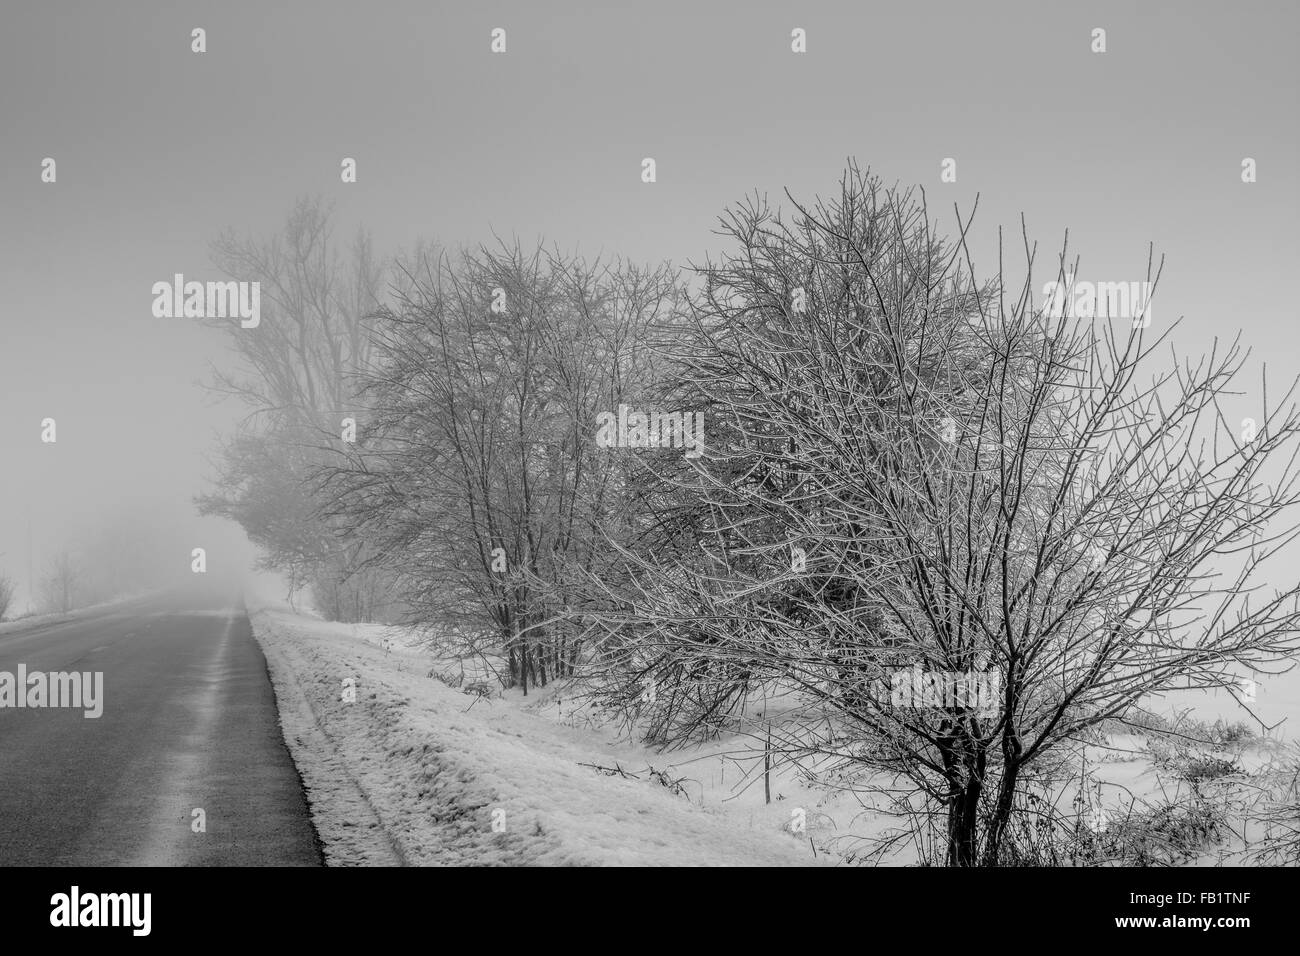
[(295, 373), (478, 477), (297, 364), (6, 595), (919, 485), (61, 589)]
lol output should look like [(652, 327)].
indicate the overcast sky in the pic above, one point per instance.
[(159, 149)]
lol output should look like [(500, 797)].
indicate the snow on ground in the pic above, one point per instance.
[(413, 771), (727, 774), (416, 772), (43, 620)]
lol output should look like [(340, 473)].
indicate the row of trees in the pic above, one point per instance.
[(296, 377), (135, 549), (905, 468), (477, 481), (68, 582)]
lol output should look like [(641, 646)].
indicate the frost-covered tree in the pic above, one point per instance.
[(479, 479), (917, 485)]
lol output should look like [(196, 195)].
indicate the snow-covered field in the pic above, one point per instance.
[(416, 772), (42, 620)]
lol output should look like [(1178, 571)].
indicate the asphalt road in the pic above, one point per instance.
[(189, 722)]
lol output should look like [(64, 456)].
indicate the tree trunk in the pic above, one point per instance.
[(963, 819), (965, 763), (997, 827)]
